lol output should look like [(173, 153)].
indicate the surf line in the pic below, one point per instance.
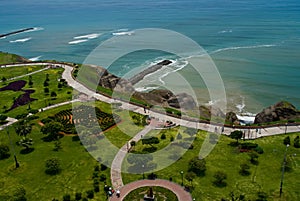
[(16, 32)]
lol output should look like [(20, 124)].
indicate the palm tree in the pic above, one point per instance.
[(23, 128), (26, 142)]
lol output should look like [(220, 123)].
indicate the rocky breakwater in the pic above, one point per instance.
[(282, 111), (138, 77)]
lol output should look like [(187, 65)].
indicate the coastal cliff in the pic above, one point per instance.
[(281, 111)]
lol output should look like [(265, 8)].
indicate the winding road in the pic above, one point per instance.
[(116, 176)]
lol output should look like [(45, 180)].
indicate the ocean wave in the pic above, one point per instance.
[(225, 31), (145, 89), (88, 36), (123, 33), (77, 41), (35, 29), (35, 58), (242, 47), (22, 40)]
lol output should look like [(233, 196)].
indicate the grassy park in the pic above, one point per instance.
[(230, 170)]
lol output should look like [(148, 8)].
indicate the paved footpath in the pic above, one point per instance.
[(175, 188), (116, 166)]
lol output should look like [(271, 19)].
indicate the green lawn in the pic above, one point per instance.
[(6, 58), (43, 100), (11, 72), (264, 177)]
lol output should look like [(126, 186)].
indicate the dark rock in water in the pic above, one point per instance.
[(138, 77), (278, 112), (232, 118)]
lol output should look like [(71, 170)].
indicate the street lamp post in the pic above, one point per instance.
[(283, 168), (285, 128), (143, 172), (11, 144), (181, 178)]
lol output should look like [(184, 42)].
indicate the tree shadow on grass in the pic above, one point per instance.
[(220, 184), (27, 151), (233, 144)]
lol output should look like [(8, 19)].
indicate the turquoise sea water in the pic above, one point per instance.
[(255, 44)]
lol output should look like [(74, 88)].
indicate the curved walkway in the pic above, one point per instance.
[(116, 166), (175, 188)]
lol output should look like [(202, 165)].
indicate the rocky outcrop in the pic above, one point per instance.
[(207, 112), (110, 81), (278, 112), (138, 77), (231, 118)]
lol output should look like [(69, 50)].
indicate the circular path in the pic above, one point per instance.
[(181, 194)]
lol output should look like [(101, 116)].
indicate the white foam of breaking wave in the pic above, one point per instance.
[(178, 64), (241, 106), (246, 119), (123, 33), (225, 31), (77, 41), (22, 40), (88, 36), (144, 89), (242, 47), (35, 29), (35, 58)]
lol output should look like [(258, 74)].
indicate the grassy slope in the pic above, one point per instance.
[(6, 58), (17, 71)]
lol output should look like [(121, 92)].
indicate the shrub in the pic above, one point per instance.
[(103, 167), (21, 116), (198, 166), (90, 194), (52, 166), (259, 150), (102, 177), (220, 178), (46, 90), (3, 117), (287, 140), (4, 151), (67, 197), (97, 168), (244, 169), (296, 142), (78, 196), (163, 136)]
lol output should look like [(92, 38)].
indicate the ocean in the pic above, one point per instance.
[(254, 44)]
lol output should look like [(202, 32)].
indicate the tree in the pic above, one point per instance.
[(59, 85), (163, 136), (53, 94), (30, 83), (23, 128), (191, 131), (3, 79), (253, 158), (150, 141), (296, 142), (26, 142), (236, 135), (4, 151), (287, 140), (67, 197), (47, 78), (46, 84), (2, 117), (190, 177), (46, 90), (220, 178), (198, 166), (132, 143), (19, 194), (52, 166), (244, 169), (51, 129)]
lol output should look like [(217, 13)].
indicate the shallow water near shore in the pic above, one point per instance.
[(255, 45)]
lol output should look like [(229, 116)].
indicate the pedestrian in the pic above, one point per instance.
[(118, 193)]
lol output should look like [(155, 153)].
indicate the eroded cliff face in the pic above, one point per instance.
[(280, 111)]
